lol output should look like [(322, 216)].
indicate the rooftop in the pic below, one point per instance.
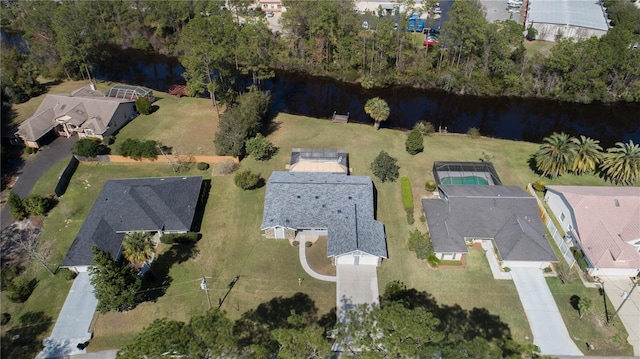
[(344, 205), (582, 13), (141, 204)]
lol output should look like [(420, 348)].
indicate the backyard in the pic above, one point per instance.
[(232, 244)]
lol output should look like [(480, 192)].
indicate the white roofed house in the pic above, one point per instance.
[(85, 112), (604, 222)]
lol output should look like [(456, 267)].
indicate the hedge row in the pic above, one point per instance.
[(407, 195), (579, 256), (177, 238)]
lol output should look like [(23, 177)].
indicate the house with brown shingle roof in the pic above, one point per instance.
[(86, 112), (602, 221)]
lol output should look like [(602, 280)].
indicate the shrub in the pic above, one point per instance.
[(5, 318), (414, 143), (539, 185), (385, 168), (30, 150), (410, 219), (531, 33), (260, 148), (424, 127), (407, 195), (295, 243), (16, 206), (8, 274), (70, 275), (423, 218), (179, 238), (138, 149), (308, 244), (143, 105), (86, 147), (109, 140), (507, 269), (21, 290), (36, 205), (420, 244), (246, 180), (473, 132), (433, 260), (579, 256), (548, 270), (224, 168), (430, 185), (202, 166)]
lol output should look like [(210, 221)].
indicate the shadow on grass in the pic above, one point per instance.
[(255, 326), (158, 279), (203, 197), (454, 320), (24, 340)]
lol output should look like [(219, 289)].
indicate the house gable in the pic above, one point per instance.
[(146, 204)]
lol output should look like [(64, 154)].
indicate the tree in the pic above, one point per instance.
[(585, 305), (86, 147), (385, 168), (564, 272), (241, 122), (138, 149), (36, 205), (420, 244), (531, 33), (143, 105), (137, 247), (556, 155), (414, 143), (19, 76), (161, 337), (378, 109), (621, 164), (27, 240), (116, 285), (301, 340), (588, 154), (16, 206), (259, 147), (246, 180)]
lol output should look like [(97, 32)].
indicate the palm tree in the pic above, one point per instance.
[(588, 154), (556, 155), (378, 109), (137, 247), (621, 164)]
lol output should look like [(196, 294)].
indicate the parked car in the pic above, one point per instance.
[(365, 25), (412, 26), (420, 26), (269, 13), (430, 41)]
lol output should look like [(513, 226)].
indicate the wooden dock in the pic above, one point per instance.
[(340, 118)]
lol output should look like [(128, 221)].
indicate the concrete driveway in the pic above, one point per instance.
[(35, 167), (629, 313), (549, 332), (357, 284), (74, 322)]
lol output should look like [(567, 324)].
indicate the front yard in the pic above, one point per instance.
[(232, 245)]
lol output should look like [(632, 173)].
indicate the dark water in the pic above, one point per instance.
[(501, 117)]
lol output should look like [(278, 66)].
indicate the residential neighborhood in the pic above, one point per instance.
[(276, 179)]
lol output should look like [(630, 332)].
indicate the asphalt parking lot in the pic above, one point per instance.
[(498, 10)]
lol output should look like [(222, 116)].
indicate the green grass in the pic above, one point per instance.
[(608, 339), (232, 243), (538, 47)]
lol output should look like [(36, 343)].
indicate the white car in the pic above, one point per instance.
[(365, 25)]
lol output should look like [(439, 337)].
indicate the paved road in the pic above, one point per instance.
[(549, 332), (34, 168)]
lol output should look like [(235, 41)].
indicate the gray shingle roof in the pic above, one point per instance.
[(142, 204), (342, 204), (507, 214)]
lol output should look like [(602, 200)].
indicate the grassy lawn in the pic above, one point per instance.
[(232, 244), (607, 339), (538, 47)]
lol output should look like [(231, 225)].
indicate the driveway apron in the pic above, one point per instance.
[(549, 331), (357, 284)]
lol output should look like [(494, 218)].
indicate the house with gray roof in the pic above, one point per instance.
[(86, 112), (324, 203), (156, 205), (506, 215)]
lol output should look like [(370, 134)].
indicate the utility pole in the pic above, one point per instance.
[(203, 286), (625, 300)]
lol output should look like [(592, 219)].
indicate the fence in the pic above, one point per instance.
[(557, 238)]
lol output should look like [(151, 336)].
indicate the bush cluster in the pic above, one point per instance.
[(579, 256), (420, 243), (385, 168), (86, 147), (143, 106), (202, 166), (247, 180), (138, 149), (473, 132), (18, 289), (424, 127), (539, 185), (179, 238), (34, 205), (430, 185), (260, 148)]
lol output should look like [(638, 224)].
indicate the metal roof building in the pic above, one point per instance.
[(579, 19)]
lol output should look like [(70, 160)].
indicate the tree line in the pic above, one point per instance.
[(219, 47), (289, 327)]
